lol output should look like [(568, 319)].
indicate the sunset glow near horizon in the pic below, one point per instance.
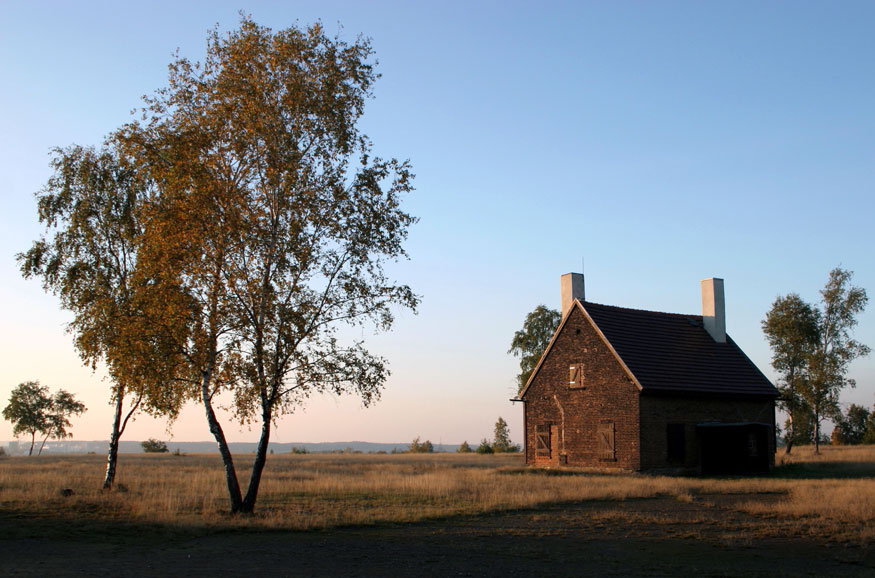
[(662, 143)]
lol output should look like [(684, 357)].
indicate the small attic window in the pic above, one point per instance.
[(575, 376)]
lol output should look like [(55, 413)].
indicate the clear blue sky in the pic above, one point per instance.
[(661, 142)]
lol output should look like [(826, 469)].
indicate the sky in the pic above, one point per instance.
[(649, 145)]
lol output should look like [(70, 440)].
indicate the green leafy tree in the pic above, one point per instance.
[(501, 442), (464, 448), (153, 446), (273, 224), (28, 410), (850, 427), (32, 410), (835, 349), (485, 447), (92, 209), (63, 406), (530, 342), (869, 434), (791, 327), (812, 348)]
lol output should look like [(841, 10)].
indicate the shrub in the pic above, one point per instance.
[(485, 447), (415, 447), (464, 448), (153, 446)]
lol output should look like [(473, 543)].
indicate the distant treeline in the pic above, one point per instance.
[(135, 447)]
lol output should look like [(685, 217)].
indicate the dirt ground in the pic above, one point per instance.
[(647, 537)]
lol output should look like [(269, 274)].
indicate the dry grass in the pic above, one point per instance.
[(832, 495)]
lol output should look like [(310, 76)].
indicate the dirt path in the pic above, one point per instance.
[(654, 537)]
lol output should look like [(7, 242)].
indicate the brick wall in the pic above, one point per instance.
[(608, 395)]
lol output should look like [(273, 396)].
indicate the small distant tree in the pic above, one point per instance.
[(501, 443), (28, 410), (33, 411), (485, 447), (851, 427), (153, 446), (416, 447), (530, 342), (464, 448), (63, 405)]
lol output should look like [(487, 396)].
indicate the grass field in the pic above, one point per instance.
[(831, 496)]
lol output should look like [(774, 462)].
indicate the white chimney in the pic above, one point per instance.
[(571, 285), (714, 309)]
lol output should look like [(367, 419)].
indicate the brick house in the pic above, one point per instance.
[(644, 390)]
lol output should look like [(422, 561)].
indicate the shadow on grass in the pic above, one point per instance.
[(20, 526), (824, 470), (841, 469)]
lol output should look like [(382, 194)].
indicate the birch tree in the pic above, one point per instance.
[(841, 302), (92, 209), (812, 348), (274, 224)]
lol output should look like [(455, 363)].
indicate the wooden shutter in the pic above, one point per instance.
[(542, 441), (606, 441), (575, 376)]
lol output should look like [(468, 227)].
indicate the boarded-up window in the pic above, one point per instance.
[(753, 446), (542, 441), (575, 375), (676, 442), (606, 441)]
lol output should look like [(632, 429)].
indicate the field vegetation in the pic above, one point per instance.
[(830, 496)]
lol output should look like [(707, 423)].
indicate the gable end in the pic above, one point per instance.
[(577, 306)]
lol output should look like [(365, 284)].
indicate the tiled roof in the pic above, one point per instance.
[(673, 353)]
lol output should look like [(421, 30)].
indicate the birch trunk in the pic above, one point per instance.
[(227, 459), (112, 452), (260, 458)]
